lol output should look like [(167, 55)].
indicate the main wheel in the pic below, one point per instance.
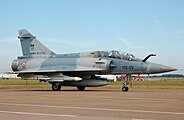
[(56, 86), (125, 89), (80, 88)]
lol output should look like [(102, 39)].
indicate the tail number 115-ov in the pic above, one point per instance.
[(128, 67)]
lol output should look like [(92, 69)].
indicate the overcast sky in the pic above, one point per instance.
[(135, 26)]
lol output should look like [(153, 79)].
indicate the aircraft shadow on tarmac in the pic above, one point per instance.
[(98, 90)]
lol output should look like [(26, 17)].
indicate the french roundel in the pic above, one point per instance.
[(23, 64)]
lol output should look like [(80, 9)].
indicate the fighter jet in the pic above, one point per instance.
[(77, 69)]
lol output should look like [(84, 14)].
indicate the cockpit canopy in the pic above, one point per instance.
[(116, 54)]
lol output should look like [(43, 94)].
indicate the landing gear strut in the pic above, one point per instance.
[(56, 86), (126, 83)]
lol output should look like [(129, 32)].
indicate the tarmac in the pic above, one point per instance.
[(137, 104)]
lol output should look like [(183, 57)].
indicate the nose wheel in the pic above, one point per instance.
[(125, 89)]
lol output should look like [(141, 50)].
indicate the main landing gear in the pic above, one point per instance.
[(81, 88), (126, 83), (56, 86)]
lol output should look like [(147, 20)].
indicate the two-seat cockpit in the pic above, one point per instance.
[(116, 54)]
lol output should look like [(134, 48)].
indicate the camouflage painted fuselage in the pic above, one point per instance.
[(76, 69)]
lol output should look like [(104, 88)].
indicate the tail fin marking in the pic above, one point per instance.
[(31, 46)]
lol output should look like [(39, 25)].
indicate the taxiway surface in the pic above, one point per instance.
[(92, 105)]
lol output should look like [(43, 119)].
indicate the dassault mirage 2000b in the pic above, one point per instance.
[(77, 69)]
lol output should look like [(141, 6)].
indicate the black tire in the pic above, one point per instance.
[(80, 88), (56, 86), (125, 89)]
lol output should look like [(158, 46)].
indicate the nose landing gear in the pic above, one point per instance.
[(126, 83)]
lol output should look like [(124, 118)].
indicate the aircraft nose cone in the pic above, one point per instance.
[(158, 68)]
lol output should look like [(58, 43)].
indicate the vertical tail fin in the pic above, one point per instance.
[(31, 46)]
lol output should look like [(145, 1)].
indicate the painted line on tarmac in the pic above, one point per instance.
[(38, 114), (98, 109), (152, 99)]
